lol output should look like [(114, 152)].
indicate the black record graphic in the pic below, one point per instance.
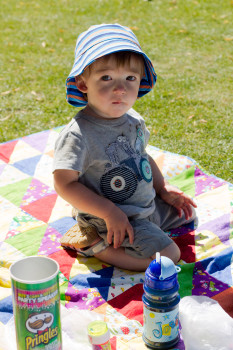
[(118, 184)]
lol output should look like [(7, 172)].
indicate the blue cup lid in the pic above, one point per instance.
[(162, 267), (161, 273)]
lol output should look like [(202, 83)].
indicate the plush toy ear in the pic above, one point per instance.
[(81, 84)]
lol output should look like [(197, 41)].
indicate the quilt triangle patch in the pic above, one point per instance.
[(219, 266), (2, 166), (6, 309), (61, 208), (50, 153), (205, 284), (8, 212), (186, 243), (113, 342), (22, 150), (127, 330), (130, 303), (35, 191), (28, 242), (28, 165), (62, 280), (6, 150), (93, 279), (43, 171), (14, 192), (83, 265), (63, 288), (5, 292), (104, 289), (120, 282), (22, 222), (205, 183), (65, 260), (85, 299), (100, 280), (185, 181), (64, 224), (225, 300), (42, 208), (50, 242), (38, 140), (219, 227), (52, 137), (9, 255), (181, 230), (208, 244), (11, 175), (175, 165), (185, 279), (219, 199)]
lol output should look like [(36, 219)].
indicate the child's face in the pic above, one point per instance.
[(111, 89)]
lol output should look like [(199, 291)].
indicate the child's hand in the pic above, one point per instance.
[(118, 226), (177, 199)]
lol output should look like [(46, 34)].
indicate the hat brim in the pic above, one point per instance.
[(76, 98)]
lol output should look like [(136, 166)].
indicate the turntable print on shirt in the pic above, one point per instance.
[(126, 169)]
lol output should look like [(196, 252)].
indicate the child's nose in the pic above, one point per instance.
[(119, 88)]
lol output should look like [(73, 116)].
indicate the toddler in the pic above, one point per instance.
[(101, 166)]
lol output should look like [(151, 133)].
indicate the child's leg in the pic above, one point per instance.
[(148, 239), (172, 251), (166, 216), (119, 258)]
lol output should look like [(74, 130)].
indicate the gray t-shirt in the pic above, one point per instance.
[(111, 159)]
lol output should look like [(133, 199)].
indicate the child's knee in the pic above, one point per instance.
[(172, 251)]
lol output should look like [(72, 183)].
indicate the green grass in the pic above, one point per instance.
[(189, 41)]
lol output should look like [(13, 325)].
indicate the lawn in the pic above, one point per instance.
[(189, 41)]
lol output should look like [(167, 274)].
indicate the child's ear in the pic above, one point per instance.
[(81, 84)]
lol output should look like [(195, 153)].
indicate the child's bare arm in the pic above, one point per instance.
[(158, 179), (79, 196), (170, 194)]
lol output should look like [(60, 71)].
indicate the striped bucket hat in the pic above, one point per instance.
[(98, 41)]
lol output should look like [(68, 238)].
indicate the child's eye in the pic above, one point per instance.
[(106, 77), (131, 78)]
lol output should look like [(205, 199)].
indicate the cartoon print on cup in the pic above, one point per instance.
[(39, 322)]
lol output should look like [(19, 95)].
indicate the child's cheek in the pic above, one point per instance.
[(105, 90)]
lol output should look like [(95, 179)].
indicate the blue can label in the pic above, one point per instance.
[(160, 327)]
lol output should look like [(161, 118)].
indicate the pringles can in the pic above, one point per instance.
[(36, 303), (161, 304)]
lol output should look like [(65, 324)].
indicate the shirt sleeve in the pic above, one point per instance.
[(70, 152)]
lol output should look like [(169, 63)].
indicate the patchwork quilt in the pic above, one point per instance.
[(34, 218)]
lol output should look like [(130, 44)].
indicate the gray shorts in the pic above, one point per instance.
[(149, 235)]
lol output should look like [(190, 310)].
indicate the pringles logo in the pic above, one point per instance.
[(40, 324)]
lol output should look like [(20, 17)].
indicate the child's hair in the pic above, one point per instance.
[(122, 58)]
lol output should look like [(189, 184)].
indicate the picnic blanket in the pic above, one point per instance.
[(34, 218)]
